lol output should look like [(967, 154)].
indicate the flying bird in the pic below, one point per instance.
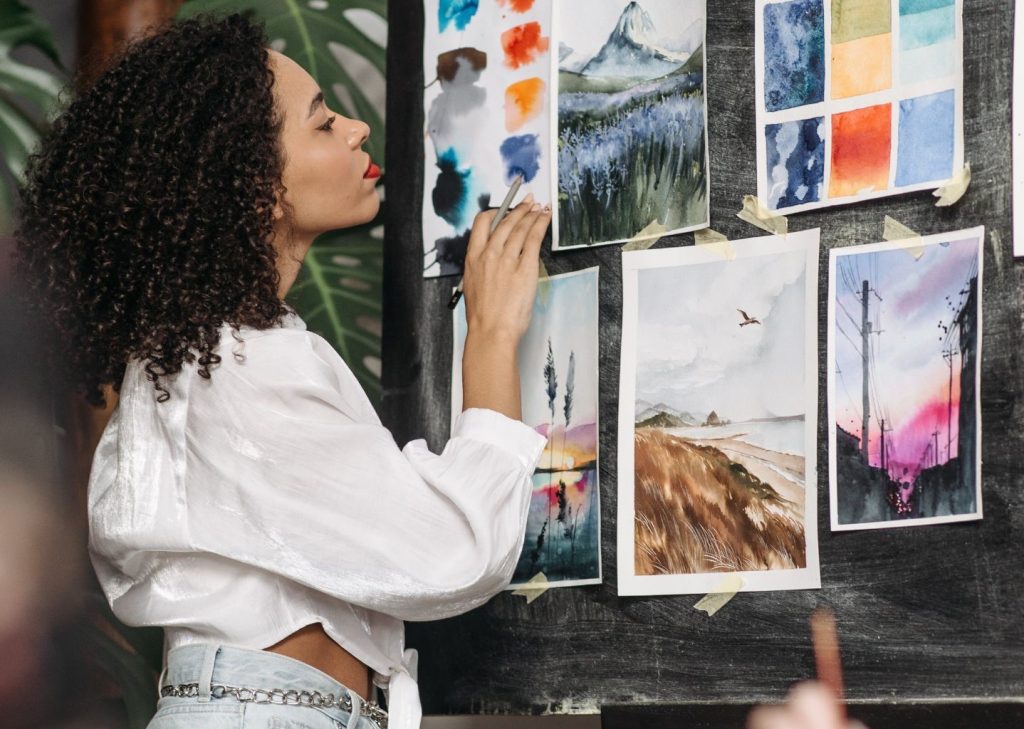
[(747, 319)]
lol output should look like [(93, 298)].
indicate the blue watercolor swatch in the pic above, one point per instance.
[(796, 162), (521, 156), (451, 192), (927, 28), (794, 54), (926, 134), (459, 12), (909, 7)]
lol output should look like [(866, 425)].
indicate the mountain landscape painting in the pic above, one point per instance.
[(558, 369), (717, 418), (631, 120)]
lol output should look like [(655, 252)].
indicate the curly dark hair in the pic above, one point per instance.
[(147, 215)]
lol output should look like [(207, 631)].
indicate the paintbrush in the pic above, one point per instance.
[(826, 653), (502, 212)]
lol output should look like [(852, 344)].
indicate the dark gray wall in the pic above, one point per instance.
[(925, 612)]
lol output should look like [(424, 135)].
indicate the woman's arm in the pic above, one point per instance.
[(500, 284)]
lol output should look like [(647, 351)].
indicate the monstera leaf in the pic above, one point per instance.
[(341, 44), (28, 96)]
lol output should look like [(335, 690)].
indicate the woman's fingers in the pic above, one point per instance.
[(533, 238), (479, 234), (506, 226)]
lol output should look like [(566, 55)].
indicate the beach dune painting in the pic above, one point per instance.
[(718, 418), (630, 119), (558, 370)]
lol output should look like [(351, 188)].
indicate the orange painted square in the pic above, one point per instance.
[(861, 147), (862, 66), (524, 100)]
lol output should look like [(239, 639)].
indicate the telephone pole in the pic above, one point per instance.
[(884, 454), (935, 446), (865, 333), (947, 354)]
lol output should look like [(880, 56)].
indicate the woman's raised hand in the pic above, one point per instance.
[(499, 284), (500, 279)]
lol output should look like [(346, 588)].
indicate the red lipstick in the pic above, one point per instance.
[(372, 172)]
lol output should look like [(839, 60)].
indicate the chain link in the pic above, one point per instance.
[(280, 697)]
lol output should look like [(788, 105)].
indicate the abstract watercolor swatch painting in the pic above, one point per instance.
[(856, 99), (718, 418), (486, 65), (904, 354), (631, 120), (558, 368)]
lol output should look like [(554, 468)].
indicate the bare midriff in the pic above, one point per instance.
[(314, 647)]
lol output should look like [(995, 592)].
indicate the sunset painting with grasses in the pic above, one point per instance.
[(717, 418), (558, 373)]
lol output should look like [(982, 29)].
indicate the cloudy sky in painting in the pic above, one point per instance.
[(912, 379), (584, 25), (693, 355)]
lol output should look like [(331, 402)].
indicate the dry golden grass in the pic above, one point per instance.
[(697, 511)]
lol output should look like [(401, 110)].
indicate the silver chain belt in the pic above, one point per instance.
[(281, 697)]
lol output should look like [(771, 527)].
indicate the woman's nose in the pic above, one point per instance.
[(358, 133)]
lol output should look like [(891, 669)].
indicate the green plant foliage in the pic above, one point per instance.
[(341, 44), (28, 97)]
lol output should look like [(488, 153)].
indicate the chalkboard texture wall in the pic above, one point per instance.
[(924, 613)]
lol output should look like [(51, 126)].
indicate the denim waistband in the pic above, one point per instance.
[(208, 664)]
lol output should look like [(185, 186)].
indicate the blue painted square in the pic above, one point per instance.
[(794, 54), (908, 7), (926, 134), (796, 162), (927, 28)]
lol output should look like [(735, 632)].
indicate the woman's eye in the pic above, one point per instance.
[(326, 126)]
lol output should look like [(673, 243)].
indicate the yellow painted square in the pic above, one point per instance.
[(862, 66)]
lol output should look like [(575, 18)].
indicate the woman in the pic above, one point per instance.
[(244, 495)]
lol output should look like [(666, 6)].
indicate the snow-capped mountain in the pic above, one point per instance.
[(632, 50)]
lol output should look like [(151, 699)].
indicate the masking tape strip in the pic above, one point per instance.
[(895, 231), (714, 241), (534, 588), (646, 238), (952, 191), (755, 213), (720, 595)]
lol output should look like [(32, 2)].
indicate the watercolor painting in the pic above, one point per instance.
[(856, 99), (558, 369), (904, 356), (718, 418), (487, 67), (631, 120)]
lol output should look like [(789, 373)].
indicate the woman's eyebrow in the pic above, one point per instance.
[(318, 100)]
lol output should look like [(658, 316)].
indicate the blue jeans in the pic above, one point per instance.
[(206, 664)]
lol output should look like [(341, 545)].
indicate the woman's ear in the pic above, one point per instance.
[(278, 210)]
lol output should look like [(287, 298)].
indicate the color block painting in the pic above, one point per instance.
[(487, 67), (904, 353), (558, 367), (857, 99)]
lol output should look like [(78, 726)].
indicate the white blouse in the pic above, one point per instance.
[(270, 497)]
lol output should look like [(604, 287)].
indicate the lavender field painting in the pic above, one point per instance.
[(632, 139)]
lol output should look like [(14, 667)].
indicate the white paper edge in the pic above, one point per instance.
[(805, 578), (834, 255)]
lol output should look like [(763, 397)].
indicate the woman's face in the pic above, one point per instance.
[(330, 181)]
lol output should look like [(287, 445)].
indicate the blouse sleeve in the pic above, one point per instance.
[(289, 470)]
